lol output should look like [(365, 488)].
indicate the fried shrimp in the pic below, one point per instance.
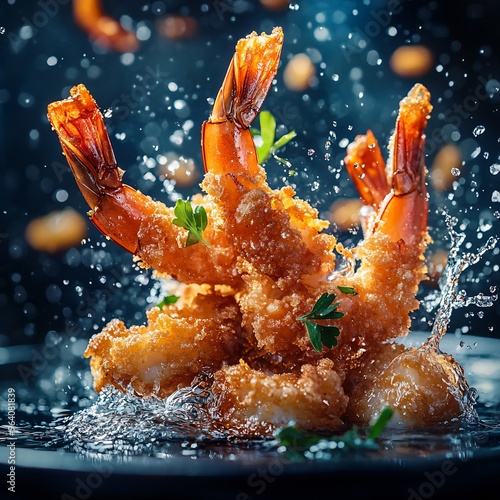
[(202, 332), (286, 336)]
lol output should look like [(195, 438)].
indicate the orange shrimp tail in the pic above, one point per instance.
[(104, 30), (366, 167), (398, 193), (404, 211), (248, 79), (117, 209)]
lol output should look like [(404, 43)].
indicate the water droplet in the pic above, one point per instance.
[(310, 152), (478, 130), (495, 168), (2, 30), (476, 152), (495, 196), (455, 172)]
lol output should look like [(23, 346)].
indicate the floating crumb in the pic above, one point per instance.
[(179, 169), (411, 61), (178, 27), (299, 73), (56, 231), (345, 213), (446, 167)]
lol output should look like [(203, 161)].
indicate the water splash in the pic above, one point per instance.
[(123, 424), (451, 299)]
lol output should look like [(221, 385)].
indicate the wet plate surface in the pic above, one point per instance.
[(118, 446)]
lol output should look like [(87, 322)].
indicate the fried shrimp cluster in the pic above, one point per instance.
[(286, 335)]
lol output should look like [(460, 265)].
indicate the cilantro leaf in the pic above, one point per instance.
[(267, 133), (322, 335), (169, 299), (195, 221), (349, 290)]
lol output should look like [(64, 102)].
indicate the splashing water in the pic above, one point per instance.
[(450, 299), (127, 425)]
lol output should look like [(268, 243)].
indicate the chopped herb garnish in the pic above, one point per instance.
[(267, 133), (169, 299), (322, 335), (349, 290), (195, 221), (295, 439), (381, 422)]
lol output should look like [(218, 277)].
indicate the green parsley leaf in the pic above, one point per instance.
[(195, 221), (322, 335), (353, 439), (267, 133), (349, 290), (381, 422), (169, 299)]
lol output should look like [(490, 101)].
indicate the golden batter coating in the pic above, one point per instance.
[(178, 343), (252, 403)]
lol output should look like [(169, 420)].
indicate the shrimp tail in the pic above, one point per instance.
[(248, 79), (366, 167), (117, 209), (398, 192)]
